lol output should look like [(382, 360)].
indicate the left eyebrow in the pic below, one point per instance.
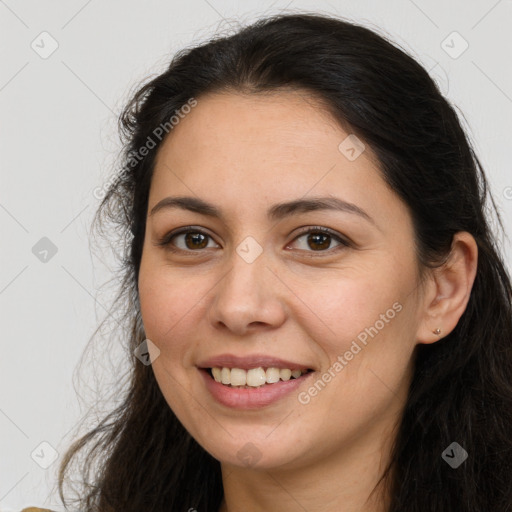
[(281, 210), (276, 212)]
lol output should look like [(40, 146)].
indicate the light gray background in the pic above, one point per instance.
[(58, 141)]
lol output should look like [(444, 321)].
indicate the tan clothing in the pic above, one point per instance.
[(35, 509)]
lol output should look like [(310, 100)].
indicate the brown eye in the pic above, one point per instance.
[(187, 240), (319, 240), (195, 240)]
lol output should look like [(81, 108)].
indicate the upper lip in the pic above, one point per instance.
[(251, 361)]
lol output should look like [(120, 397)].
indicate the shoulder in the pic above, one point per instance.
[(36, 509)]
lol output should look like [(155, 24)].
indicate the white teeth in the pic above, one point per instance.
[(239, 377), (217, 374), (225, 376), (285, 374), (254, 377), (272, 375)]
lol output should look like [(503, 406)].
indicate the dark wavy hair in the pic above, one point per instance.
[(139, 456)]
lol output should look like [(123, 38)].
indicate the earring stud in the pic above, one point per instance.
[(437, 331)]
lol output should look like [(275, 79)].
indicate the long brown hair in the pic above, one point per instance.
[(143, 458)]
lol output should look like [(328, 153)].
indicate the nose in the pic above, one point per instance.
[(248, 298)]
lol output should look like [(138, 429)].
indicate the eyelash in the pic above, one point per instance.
[(165, 241)]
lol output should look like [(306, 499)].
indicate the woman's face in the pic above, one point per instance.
[(256, 284)]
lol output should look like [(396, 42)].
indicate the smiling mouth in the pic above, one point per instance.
[(255, 377)]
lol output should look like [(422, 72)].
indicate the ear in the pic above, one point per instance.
[(448, 289)]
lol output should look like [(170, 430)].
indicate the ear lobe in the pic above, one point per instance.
[(449, 289)]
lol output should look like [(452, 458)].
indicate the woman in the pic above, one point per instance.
[(313, 279)]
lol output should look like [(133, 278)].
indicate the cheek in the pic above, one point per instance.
[(161, 311), (361, 325), (173, 307), (164, 302), (341, 309), (155, 300)]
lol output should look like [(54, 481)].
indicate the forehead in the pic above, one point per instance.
[(256, 149)]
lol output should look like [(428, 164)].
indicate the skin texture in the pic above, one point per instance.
[(243, 153)]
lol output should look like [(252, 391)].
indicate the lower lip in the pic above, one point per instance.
[(242, 398)]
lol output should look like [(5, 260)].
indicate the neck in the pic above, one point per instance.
[(341, 481)]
